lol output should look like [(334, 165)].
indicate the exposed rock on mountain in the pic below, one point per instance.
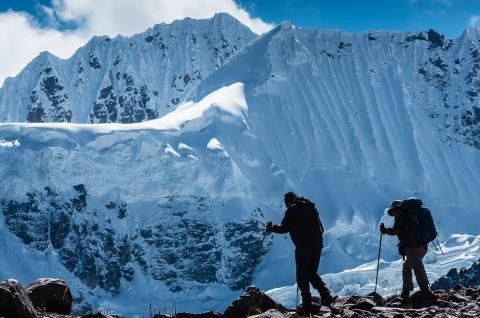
[(179, 250), (468, 277)]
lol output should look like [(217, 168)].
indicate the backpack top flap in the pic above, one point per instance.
[(411, 204)]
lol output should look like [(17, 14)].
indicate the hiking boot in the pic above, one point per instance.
[(304, 310), (327, 300)]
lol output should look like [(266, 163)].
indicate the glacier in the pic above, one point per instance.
[(171, 210)]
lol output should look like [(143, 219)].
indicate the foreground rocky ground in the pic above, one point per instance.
[(51, 298)]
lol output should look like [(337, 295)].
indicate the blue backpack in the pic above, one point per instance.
[(425, 231)]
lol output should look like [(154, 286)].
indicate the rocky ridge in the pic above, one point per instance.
[(457, 302), (468, 277)]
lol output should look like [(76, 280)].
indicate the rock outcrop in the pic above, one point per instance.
[(252, 301), (458, 302), (468, 277), (14, 302), (50, 295)]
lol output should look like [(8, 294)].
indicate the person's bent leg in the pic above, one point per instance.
[(317, 281), (302, 258), (416, 255)]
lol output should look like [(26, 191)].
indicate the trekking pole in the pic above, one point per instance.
[(378, 260), (440, 247), (254, 262)]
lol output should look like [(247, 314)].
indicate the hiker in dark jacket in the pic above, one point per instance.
[(302, 222), (413, 251)]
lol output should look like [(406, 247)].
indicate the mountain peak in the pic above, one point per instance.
[(224, 16), (470, 33), (221, 18), (128, 79), (286, 25)]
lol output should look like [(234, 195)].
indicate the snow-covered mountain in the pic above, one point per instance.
[(124, 79), (172, 209)]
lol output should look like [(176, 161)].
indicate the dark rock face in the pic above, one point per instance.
[(50, 295), (123, 100), (183, 250), (49, 100), (14, 302), (252, 301), (468, 277)]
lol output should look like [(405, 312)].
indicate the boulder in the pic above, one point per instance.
[(377, 298), (422, 300), (14, 302), (458, 287), (50, 295), (253, 301), (364, 304)]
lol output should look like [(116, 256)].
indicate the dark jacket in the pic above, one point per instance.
[(404, 228), (302, 222)]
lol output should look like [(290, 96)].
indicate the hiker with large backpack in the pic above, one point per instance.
[(302, 222), (414, 228)]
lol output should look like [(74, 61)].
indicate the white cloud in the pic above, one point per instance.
[(130, 16), (22, 39), (474, 21)]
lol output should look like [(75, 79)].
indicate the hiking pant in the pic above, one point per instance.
[(413, 261), (307, 261)]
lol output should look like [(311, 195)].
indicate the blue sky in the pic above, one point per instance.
[(29, 27), (449, 17), (24, 5)]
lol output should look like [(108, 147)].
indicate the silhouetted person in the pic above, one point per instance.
[(405, 228), (302, 222)]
